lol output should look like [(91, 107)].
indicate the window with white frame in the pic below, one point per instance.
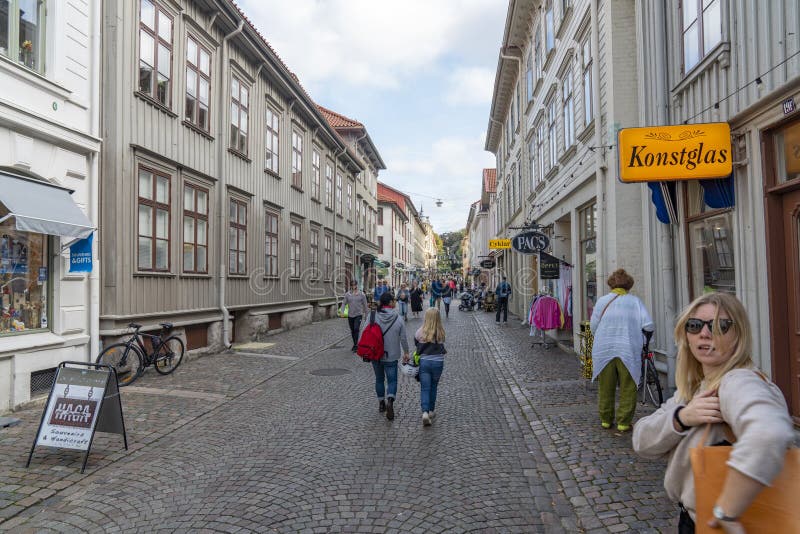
[(315, 174), (237, 237), (588, 109), (314, 252), (195, 229), (239, 115), (272, 125), (338, 252), (540, 156), (155, 52), (349, 200), (552, 140), (537, 52), (518, 186), (702, 29), (271, 244), (326, 259), (297, 159), (153, 220), (22, 32), (549, 26), (532, 161), (568, 110), (295, 244), (339, 199), (328, 187), (198, 84)]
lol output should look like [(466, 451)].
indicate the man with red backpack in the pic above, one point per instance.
[(381, 343)]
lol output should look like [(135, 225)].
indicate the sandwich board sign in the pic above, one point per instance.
[(82, 401)]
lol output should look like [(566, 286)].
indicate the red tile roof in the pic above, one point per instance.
[(337, 120), (490, 180), (387, 194)]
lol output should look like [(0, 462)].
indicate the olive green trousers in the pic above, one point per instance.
[(612, 374)]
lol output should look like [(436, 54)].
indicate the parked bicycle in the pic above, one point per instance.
[(130, 358), (649, 384)]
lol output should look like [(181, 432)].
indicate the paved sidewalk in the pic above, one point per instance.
[(287, 438)]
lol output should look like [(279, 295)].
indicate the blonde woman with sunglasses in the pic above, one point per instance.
[(717, 382)]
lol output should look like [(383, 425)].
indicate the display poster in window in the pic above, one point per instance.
[(549, 267), (72, 408), (13, 254), (791, 149), (80, 255)]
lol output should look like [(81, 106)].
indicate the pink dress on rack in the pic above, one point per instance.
[(547, 315)]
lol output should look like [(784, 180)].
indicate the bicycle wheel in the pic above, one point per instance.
[(169, 356), (126, 361), (652, 385)]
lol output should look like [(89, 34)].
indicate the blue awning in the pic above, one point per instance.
[(718, 193), (664, 198)]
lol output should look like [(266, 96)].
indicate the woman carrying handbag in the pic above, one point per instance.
[(717, 383)]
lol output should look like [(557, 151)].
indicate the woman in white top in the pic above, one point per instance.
[(717, 383), (617, 323)]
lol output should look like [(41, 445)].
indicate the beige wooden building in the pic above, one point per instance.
[(229, 202), (733, 61), (566, 79)]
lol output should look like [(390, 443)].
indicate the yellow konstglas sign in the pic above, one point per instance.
[(499, 243), (686, 152)]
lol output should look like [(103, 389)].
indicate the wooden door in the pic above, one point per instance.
[(791, 232)]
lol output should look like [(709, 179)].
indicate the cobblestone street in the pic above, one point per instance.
[(288, 438)]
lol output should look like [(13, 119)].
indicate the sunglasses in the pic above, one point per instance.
[(695, 326)]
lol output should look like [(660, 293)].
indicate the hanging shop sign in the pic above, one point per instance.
[(80, 255), (685, 152), (475, 271), (530, 242), (488, 264), (549, 267), (499, 243), (367, 258), (84, 399)]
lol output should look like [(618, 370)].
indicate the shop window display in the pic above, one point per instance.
[(23, 279), (710, 243)]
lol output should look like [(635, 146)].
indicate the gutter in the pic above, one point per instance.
[(226, 343)]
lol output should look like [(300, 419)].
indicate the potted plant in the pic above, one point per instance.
[(26, 53)]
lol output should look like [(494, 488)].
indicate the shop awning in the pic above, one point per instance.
[(664, 196), (719, 192), (43, 208)]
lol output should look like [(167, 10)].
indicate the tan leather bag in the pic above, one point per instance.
[(775, 510)]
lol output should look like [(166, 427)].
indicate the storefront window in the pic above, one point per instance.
[(710, 245), (23, 279), (588, 246), (787, 148)]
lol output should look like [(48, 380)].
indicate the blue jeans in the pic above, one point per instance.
[(389, 370), (403, 308), (430, 371)]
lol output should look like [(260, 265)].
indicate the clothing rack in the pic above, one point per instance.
[(543, 342)]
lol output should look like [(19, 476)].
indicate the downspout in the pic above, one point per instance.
[(94, 187), (221, 124), (335, 215), (665, 238), (599, 152)]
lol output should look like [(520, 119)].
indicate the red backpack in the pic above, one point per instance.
[(370, 344)]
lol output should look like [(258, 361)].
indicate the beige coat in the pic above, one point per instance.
[(758, 416)]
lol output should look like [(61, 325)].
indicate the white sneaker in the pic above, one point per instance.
[(431, 415), (426, 419)]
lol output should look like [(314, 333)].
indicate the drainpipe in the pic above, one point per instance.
[(335, 216), (221, 125), (599, 153), (665, 236), (94, 185)]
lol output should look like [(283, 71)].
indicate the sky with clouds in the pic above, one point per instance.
[(419, 74)]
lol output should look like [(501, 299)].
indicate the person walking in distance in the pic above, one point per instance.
[(503, 293), (429, 340), (394, 341), (380, 289), (402, 301), (617, 323), (415, 296), (436, 293), (447, 298), (356, 301)]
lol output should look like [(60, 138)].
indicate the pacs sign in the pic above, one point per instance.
[(80, 255)]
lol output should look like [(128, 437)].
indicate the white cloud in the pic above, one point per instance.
[(470, 86), (450, 169), (369, 42)]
